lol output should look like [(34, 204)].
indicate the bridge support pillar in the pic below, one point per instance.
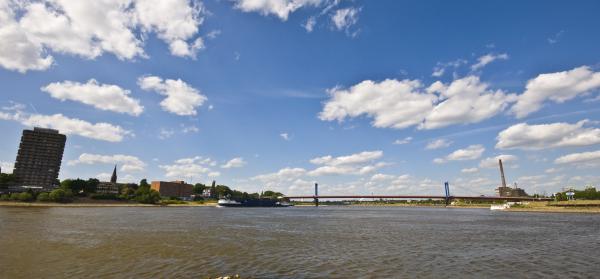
[(316, 194), (447, 189)]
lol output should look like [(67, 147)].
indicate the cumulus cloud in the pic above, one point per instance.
[(237, 162), (401, 104), (440, 69), (101, 96), (128, 163), (535, 137), (285, 136), (310, 23), (165, 133), (182, 99), (279, 8), (194, 167), (557, 87), (30, 30), (391, 103), (487, 59), (492, 162), (70, 126), (438, 143), (343, 19), (406, 140), (472, 152), (189, 129), (358, 163), (591, 159), (466, 100), (469, 170)]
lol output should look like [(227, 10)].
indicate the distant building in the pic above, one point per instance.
[(178, 189), (39, 158), (111, 187), (504, 191), (206, 192), (107, 188)]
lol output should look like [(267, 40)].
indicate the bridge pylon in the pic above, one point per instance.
[(447, 189)]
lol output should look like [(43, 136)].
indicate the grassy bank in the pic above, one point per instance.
[(579, 206), (101, 203)]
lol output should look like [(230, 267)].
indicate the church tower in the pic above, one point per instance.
[(113, 178)]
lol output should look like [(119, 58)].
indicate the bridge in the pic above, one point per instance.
[(447, 197)]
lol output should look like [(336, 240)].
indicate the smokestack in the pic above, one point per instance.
[(502, 173)]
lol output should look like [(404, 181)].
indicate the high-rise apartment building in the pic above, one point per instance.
[(39, 158)]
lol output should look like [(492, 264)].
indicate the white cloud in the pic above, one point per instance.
[(438, 143), (534, 137), (558, 87), (279, 8), (285, 136), (189, 129), (101, 96), (469, 170), (391, 103), (69, 126), (128, 163), (7, 167), (344, 18), (357, 158), (193, 168), (591, 159), (406, 140), (182, 99), (472, 152), (554, 39), (466, 100), (492, 162), (165, 133), (401, 104), (358, 163), (310, 24), (487, 59), (213, 34), (440, 69), (237, 162), (90, 28)]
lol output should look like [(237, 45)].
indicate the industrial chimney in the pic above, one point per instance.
[(502, 173)]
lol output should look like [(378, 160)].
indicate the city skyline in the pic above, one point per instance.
[(281, 96)]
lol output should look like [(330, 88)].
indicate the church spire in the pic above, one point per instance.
[(113, 178)]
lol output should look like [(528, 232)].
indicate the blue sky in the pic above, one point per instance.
[(387, 97)]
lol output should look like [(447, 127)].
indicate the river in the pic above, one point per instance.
[(298, 242)]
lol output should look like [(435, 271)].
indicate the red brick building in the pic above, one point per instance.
[(178, 189)]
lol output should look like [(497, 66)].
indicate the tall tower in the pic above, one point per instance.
[(39, 158), (502, 173), (113, 178)]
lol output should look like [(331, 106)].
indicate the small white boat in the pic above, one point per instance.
[(500, 206)]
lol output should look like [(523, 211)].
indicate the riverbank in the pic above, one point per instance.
[(579, 206), (99, 204)]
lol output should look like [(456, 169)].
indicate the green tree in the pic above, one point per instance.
[(199, 188), (4, 197), (91, 185), (146, 195), (61, 195), (25, 197), (6, 179), (43, 197), (144, 183)]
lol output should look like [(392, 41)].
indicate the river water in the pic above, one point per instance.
[(299, 242)]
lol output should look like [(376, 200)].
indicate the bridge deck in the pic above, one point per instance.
[(490, 198)]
